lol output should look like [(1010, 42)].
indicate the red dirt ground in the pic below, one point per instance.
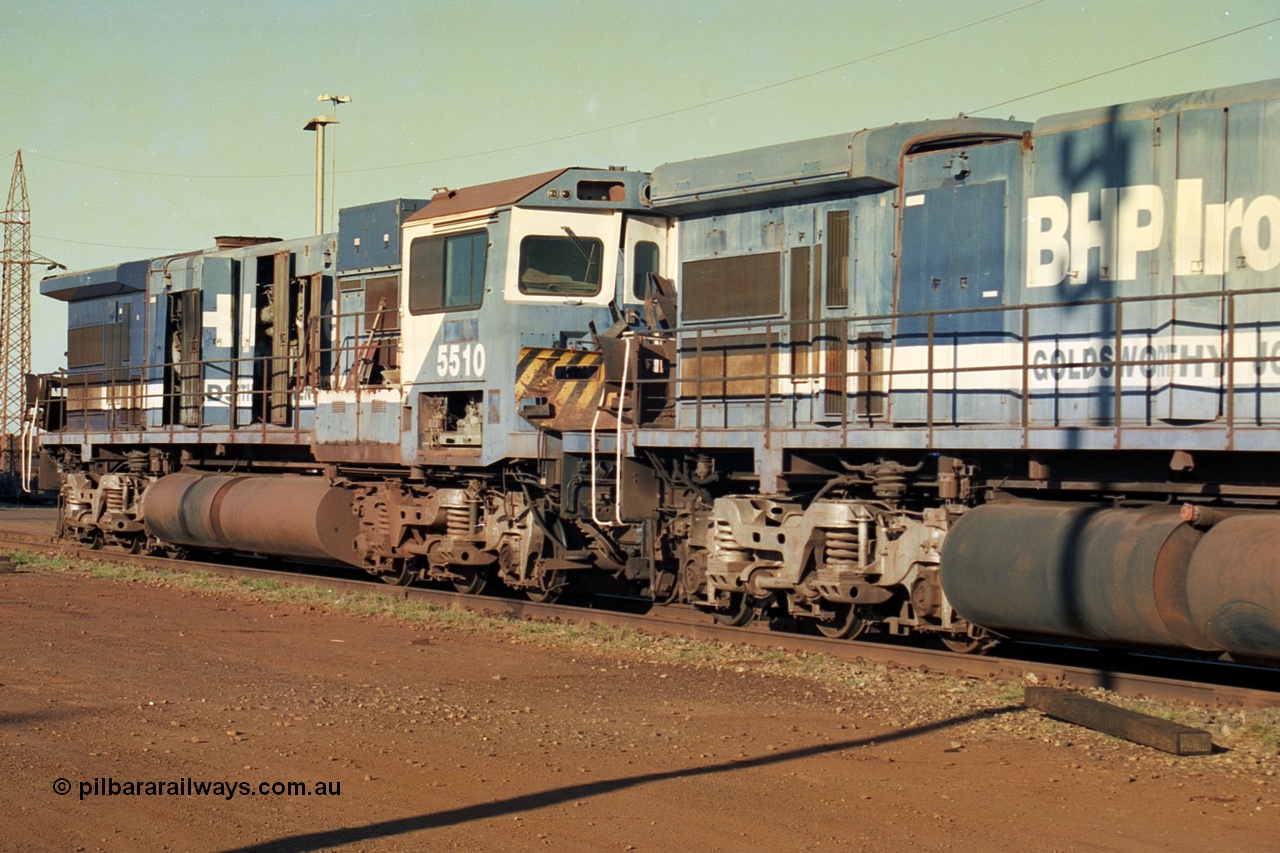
[(445, 738)]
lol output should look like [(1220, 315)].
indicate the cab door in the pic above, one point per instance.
[(645, 244), (644, 251)]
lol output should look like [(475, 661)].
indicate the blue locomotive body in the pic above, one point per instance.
[(1067, 286), (968, 378)]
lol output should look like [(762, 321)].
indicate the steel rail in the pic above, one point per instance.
[(692, 624)]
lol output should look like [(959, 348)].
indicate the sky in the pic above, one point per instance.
[(151, 126)]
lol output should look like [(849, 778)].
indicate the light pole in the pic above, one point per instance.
[(317, 125), (333, 152)]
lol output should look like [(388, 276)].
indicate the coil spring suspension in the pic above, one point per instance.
[(889, 484), (73, 505), (727, 547), (114, 499), (457, 521), (841, 549)]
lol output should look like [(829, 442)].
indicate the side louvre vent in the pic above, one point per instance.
[(801, 330), (837, 365), (726, 288), (838, 259)]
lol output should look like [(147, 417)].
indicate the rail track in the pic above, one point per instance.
[(1173, 679)]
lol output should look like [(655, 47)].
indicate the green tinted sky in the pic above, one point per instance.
[(152, 126)]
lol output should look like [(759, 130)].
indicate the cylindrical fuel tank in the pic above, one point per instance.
[(1095, 573), (1233, 585), (278, 515)]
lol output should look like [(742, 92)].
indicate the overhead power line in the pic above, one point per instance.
[(104, 245), (547, 141), (714, 101), (1126, 66), (690, 107)]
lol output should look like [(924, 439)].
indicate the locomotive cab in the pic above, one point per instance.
[(492, 276)]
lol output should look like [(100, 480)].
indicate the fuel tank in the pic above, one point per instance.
[(1140, 577), (277, 515), (1094, 573), (1233, 586)]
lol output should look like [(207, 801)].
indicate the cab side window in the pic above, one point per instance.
[(560, 266), (645, 261), (447, 273)]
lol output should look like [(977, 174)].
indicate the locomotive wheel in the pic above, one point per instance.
[(847, 624), (551, 587), (742, 609), (963, 644), (474, 581), (94, 540), (401, 574)]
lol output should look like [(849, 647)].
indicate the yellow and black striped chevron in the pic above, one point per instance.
[(559, 389)]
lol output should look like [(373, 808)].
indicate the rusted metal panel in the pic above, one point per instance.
[(363, 453), (382, 291), (186, 322), (93, 401), (871, 375), (483, 196)]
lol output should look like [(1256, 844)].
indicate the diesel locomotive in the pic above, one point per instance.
[(966, 379)]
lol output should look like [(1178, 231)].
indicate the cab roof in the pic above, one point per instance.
[(575, 187)]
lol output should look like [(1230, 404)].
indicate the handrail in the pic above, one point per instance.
[(116, 399), (693, 341)]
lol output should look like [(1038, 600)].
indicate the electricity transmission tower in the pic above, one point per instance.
[(15, 313)]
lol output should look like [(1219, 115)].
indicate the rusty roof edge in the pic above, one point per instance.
[(483, 196)]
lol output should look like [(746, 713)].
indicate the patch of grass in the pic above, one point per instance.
[(535, 629), (418, 611), (260, 584), (1014, 692), (42, 562), (122, 572), (1266, 733)]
